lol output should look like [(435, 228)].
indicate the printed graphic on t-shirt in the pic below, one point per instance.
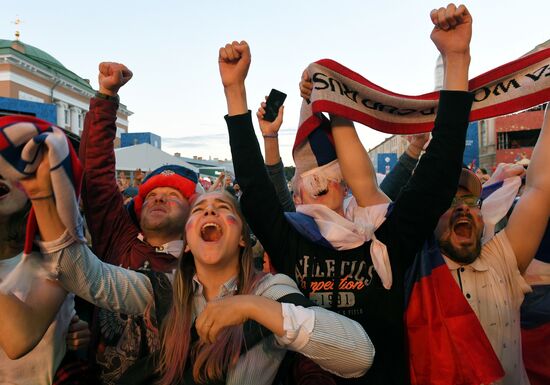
[(319, 278)]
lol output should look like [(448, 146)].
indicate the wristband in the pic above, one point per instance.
[(103, 96), (270, 135)]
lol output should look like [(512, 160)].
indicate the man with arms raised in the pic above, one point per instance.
[(161, 208), (412, 219), (489, 275)]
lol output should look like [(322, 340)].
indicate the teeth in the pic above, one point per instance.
[(210, 224)]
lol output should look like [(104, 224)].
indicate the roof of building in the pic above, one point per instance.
[(206, 165), (42, 59), (147, 158)]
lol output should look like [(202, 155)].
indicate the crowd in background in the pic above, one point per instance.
[(435, 274)]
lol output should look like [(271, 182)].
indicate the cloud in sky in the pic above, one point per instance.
[(195, 139), (176, 86)]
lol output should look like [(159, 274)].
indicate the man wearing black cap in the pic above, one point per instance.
[(160, 207)]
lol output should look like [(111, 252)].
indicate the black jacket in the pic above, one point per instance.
[(345, 281)]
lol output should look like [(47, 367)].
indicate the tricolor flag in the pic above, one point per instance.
[(446, 342), (22, 143), (535, 317)]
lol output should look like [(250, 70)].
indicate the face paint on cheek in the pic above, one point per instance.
[(232, 220), (190, 223), (174, 201), (19, 186)]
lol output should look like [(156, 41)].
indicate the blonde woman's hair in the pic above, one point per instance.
[(209, 361)]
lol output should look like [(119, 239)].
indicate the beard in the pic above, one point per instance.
[(171, 224), (463, 255), (165, 225)]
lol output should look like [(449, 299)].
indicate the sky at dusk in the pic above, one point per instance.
[(172, 48)]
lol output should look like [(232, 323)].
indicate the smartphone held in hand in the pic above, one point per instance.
[(274, 101)]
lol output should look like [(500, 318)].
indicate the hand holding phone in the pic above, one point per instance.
[(274, 101)]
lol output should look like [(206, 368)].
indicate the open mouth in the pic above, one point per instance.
[(463, 228), (322, 192), (4, 190), (211, 232)]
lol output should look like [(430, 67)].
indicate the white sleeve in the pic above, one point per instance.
[(81, 272), (336, 343)]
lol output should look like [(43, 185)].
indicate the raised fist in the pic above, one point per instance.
[(112, 76), (452, 29), (39, 185), (234, 61)]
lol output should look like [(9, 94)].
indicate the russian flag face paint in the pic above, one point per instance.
[(213, 230), (232, 219), (19, 186), (190, 223)]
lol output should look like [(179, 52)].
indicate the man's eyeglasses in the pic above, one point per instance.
[(468, 200)]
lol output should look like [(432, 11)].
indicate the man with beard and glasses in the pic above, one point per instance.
[(489, 274)]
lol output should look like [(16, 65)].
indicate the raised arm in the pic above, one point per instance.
[(259, 201), (234, 62), (76, 268), (108, 221), (402, 171), (451, 35), (273, 161), (529, 219), (354, 160), (270, 133), (431, 188), (355, 163), (218, 183)]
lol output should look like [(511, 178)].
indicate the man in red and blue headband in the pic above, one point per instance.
[(146, 235)]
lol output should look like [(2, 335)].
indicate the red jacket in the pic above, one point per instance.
[(114, 234)]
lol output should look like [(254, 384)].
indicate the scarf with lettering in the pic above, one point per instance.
[(512, 87)]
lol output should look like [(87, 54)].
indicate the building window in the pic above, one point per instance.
[(67, 117), (517, 139), (79, 121)]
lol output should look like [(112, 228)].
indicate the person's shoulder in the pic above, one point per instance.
[(275, 286), (498, 252)]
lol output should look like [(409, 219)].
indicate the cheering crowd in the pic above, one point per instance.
[(418, 279)]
